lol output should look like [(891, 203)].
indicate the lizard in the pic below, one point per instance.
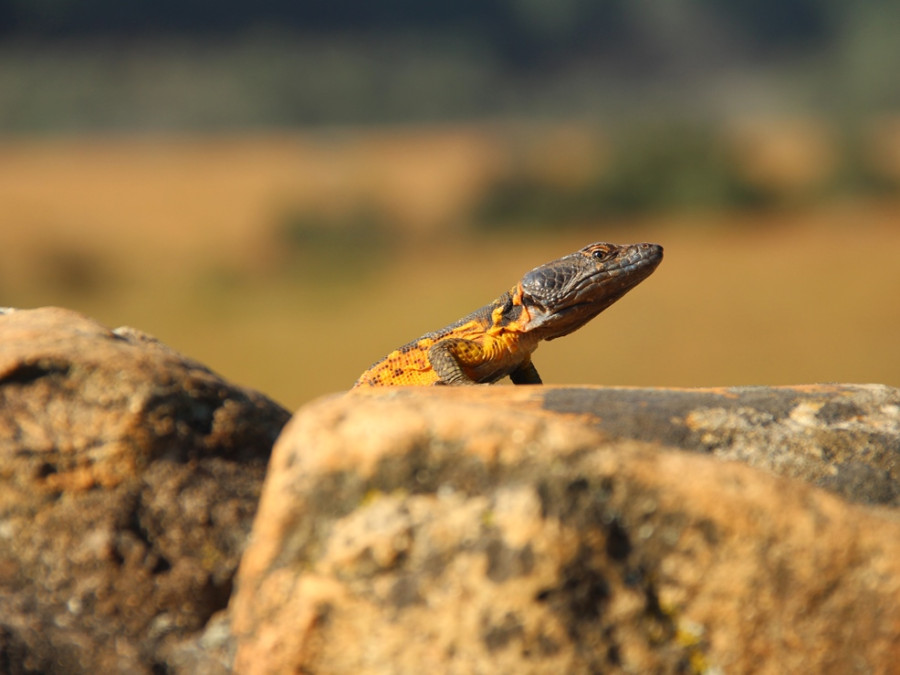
[(497, 340)]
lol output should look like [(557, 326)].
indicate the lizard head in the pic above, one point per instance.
[(565, 294)]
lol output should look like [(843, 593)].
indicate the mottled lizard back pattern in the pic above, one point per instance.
[(498, 339)]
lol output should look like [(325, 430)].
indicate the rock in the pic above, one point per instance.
[(129, 476), (483, 530), (845, 438), (842, 437)]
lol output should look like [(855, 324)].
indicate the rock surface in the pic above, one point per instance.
[(845, 438), (548, 530), (469, 530), (129, 476)]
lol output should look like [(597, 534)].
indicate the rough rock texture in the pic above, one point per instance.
[(129, 476), (472, 530), (842, 437), (486, 531)]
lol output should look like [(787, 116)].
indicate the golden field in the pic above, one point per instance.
[(182, 238)]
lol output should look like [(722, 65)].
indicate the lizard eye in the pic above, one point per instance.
[(601, 253)]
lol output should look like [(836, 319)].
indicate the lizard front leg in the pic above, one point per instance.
[(447, 358), (525, 374)]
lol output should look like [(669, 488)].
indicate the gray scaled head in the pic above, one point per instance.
[(564, 294)]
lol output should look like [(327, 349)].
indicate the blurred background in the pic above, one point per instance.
[(287, 191)]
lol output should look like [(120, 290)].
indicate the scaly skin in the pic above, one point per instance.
[(497, 340)]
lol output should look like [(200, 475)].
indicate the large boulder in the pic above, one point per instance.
[(129, 476), (478, 529), (508, 530)]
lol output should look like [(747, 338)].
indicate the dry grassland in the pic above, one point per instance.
[(179, 237)]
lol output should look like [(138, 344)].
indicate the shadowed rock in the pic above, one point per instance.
[(845, 438), (129, 476), (526, 530)]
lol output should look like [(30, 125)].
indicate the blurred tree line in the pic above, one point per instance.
[(524, 33), (663, 79), (197, 64)]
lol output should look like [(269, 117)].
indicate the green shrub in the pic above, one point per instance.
[(334, 247), (653, 168)]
